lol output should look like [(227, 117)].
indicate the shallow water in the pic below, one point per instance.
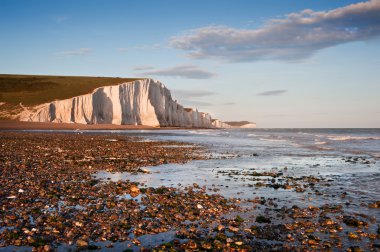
[(270, 150), (324, 154)]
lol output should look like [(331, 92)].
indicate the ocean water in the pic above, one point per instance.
[(328, 154)]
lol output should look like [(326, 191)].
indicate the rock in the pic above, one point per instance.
[(145, 171), (328, 222), (220, 227), (356, 249), (353, 236), (312, 242), (192, 245), (351, 221), (375, 204), (262, 219), (82, 243), (78, 224), (136, 242), (206, 246), (233, 229), (134, 191), (229, 240), (48, 248)]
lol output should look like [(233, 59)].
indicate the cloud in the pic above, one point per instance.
[(273, 92), (142, 68), (192, 93), (279, 115), (229, 103), (79, 52), (196, 104), (295, 37), (183, 71), (190, 97)]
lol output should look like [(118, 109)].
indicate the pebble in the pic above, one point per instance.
[(81, 243)]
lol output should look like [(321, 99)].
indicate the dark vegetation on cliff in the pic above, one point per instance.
[(238, 124), (37, 89)]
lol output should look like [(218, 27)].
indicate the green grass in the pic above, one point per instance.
[(36, 89)]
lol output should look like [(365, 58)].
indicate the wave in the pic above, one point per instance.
[(318, 142), (206, 132), (272, 140), (252, 135), (350, 138)]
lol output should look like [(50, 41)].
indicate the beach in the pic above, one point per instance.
[(17, 125), (149, 190)]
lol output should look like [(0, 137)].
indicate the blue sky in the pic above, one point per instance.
[(278, 63)]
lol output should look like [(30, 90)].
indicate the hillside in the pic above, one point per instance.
[(238, 123), (32, 90)]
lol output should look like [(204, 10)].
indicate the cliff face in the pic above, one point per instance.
[(219, 124), (241, 124), (142, 102)]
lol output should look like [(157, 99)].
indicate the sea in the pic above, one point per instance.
[(348, 157)]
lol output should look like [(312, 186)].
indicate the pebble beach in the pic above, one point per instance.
[(113, 191)]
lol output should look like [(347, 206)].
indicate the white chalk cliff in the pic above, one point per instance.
[(141, 102)]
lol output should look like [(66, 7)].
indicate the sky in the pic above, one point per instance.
[(279, 63)]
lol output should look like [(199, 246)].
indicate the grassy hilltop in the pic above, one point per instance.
[(36, 89), (238, 123)]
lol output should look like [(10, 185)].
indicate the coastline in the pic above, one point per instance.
[(125, 191), (50, 179), (19, 125)]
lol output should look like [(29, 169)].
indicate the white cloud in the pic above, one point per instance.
[(79, 52), (182, 71), (141, 68), (192, 93), (229, 103), (273, 92), (297, 36), (196, 104)]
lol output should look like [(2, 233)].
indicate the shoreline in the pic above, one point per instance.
[(19, 125), (53, 198), (49, 178)]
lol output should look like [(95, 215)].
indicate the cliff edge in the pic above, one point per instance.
[(140, 102)]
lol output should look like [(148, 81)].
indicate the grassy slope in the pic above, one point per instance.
[(238, 124), (37, 89)]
